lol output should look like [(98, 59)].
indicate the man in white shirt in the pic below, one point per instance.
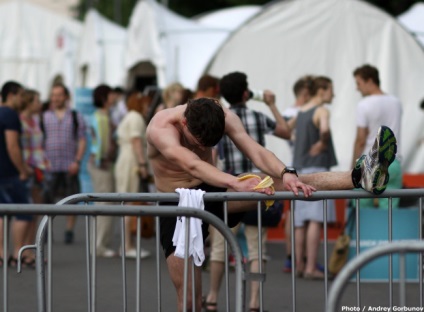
[(374, 110)]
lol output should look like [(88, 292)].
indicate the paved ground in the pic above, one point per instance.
[(70, 290)]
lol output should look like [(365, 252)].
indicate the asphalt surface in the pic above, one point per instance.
[(70, 283)]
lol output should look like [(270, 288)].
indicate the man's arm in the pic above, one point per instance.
[(322, 122), (358, 148), (166, 141), (15, 152), (75, 165), (260, 156), (282, 129)]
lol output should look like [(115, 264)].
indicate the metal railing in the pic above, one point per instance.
[(45, 228), (366, 257)]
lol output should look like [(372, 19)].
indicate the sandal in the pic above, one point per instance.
[(1, 262), (209, 306), (28, 262), (12, 262)]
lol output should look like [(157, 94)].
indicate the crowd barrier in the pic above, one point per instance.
[(67, 207)]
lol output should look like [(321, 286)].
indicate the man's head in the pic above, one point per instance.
[(367, 79), (302, 89), (59, 96), (11, 94), (233, 87), (205, 120), (322, 87), (208, 86), (103, 96)]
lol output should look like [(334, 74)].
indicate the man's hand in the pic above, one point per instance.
[(249, 184), (317, 148), (292, 183), (73, 168), (269, 97)]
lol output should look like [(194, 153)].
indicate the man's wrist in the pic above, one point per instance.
[(290, 170)]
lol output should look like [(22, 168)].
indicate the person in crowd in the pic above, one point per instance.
[(302, 93), (187, 95), (13, 170), (374, 110), (234, 89), (100, 164), (64, 145), (119, 107), (131, 164), (172, 96), (179, 151), (32, 142), (207, 86), (313, 152)]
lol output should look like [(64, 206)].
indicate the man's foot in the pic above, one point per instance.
[(69, 237), (371, 170)]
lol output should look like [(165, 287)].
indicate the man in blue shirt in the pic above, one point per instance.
[(13, 170)]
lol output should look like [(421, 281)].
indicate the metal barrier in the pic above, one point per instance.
[(44, 296), (362, 259)]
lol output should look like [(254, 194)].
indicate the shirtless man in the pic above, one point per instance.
[(180, 140)]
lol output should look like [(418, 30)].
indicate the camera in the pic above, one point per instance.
[(256, 95)]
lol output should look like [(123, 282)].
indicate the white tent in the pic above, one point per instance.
[(28, 36), (176, 48), (101, 52), (413, 20), (289, 39), (229, 18)]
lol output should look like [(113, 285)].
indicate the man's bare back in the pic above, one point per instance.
[(169, 175)]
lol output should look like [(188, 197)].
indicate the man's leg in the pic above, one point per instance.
[(176, 271), (313, 237), (252, 236), (217, 267)]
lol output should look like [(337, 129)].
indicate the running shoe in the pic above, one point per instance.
[(371, 170)]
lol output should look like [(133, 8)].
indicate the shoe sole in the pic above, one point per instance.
[(387, 149)]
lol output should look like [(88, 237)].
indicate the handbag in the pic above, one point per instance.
[(340, 252), (271, 217)]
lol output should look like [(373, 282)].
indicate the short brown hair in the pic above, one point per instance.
[(207, 81), (367, 72), (304, 82), (320, 82)]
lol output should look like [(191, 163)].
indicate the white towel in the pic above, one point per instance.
[(192, 199)]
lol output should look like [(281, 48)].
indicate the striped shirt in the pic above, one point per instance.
[(256, 125), (60, 144)]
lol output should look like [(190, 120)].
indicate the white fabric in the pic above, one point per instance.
[(376, 110), (192, 199), (289, 39), (413, 20), (101, 52), (29, 37), (178, 48)]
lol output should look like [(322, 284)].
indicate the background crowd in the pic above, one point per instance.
[(42, 148)]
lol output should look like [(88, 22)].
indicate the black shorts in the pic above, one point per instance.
[(167, 224)]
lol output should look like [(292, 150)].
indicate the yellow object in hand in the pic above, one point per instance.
[(266, 182)]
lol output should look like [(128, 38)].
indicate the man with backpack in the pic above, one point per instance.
[(65, 142)]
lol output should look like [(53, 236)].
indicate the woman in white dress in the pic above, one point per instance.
[(131, 165)]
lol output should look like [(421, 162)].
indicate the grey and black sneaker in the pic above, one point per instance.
[(371, 170)]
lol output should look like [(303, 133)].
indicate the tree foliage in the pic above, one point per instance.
[(120, 10)]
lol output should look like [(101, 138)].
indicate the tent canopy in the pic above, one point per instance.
[(101, 52), (413, 20), (29, 35), (289, 39), (178, 48), (229, 18)]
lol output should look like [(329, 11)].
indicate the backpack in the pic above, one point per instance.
[(75, 125)]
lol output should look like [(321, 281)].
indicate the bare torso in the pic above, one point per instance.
[(168, 174)]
